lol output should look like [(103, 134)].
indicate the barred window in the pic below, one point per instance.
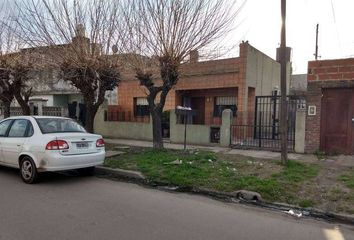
[(141, 107), (222, 103)]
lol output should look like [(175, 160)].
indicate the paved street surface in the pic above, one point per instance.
[(69, 207)]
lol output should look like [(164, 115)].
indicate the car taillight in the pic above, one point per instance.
[(100, 143), (57, 145)]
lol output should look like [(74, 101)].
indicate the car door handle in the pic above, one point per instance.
[(352, 119), (18, 145)]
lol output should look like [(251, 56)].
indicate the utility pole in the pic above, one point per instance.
[(316, 51), (283, 75)]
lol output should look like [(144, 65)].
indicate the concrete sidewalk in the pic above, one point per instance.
[(216, 149), (139, 143)]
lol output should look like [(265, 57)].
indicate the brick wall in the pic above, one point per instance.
[(327, 70), (215, 74), (209, 95), (324, 74)]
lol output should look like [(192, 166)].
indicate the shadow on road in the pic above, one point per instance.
[(46, 177)]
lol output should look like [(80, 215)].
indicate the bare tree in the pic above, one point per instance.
[(14, 68), (76, 37), (6, 88), (166, 31)]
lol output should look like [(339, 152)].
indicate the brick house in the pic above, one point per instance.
[(330, 104), (210, 86)]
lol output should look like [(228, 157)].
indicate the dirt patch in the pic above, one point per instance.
[(262, 168), (327, 191)]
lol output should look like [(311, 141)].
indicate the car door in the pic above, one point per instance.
[(13, 143), (4, 127)]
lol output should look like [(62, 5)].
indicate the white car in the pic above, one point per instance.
[(37, 144)]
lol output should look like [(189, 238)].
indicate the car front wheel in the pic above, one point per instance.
[(28, 170)]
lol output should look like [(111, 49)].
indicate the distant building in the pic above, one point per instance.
[(48, 88)]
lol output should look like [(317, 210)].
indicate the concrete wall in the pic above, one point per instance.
[(263, 72), (128, 130), (196, 134), (225, 130), (300, 127), (50, 99), (200, 134)]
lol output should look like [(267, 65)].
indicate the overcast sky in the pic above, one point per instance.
[(261, 27)]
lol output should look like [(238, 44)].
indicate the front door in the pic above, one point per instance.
[(198, 104), (337, 113)]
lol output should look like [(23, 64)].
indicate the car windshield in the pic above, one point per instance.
[(58, 125)]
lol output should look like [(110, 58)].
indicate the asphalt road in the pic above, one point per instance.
[(69, 207)]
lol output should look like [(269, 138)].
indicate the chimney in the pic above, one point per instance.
[(80, 40), (194, 56), (80, 30)]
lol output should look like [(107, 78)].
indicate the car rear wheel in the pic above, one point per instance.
[(90, 171), (29, 173)]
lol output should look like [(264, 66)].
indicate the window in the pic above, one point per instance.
[(30, 130), (57, 125), (3, 127), (222, 103), (141, 107), (18, 128)]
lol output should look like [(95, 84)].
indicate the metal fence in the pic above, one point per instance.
[(14, 111), (46, 111), (201, 118), (54, 111), (263, 131), (122, 116)]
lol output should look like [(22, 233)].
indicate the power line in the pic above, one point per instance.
[(335, 24)]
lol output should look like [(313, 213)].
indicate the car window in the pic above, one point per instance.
[(18, 128), (57, 125), (30, 130), (4, 126)]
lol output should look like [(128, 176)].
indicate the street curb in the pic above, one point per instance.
[(138, 177), (119, 173), (281, 207)]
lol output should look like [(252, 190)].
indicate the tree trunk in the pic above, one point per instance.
[(26, 111), (90, 118), (156, 115), (7, 107)]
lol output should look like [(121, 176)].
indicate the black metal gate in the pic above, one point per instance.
[(262, 131)]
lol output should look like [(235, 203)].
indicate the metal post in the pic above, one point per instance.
[(185, 130), (260, 130), (255, 119), (316, 49), (275, 97)]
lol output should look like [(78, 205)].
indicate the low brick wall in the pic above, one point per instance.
[(196, 134), (128, 130)]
